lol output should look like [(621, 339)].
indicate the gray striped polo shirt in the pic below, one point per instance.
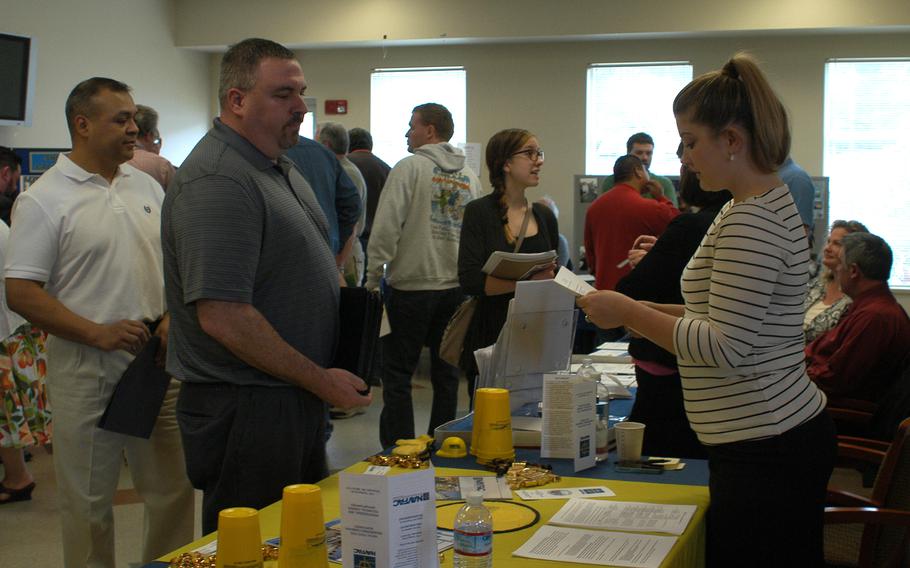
[(237, 227)]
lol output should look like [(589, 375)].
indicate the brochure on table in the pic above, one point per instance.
[(456, 488), (569, 417), (389, 520)]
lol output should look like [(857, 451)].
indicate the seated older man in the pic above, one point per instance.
[(861, 356)]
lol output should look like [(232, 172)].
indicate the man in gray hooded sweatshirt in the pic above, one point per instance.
[(415, 235)]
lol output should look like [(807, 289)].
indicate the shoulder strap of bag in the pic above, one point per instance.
[(524, 229)]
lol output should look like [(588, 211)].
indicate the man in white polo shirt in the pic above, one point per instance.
[(84, 263)]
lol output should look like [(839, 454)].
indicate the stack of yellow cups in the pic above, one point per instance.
[(239, 539), (302, 528), (491, 437)]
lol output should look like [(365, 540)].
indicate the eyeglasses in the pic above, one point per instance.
[(533, 154)]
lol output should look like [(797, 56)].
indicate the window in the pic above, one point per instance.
[(308, 126), (866, 146), (627, 98), (395, 92)]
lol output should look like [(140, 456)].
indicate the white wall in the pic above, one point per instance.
[(128, 40), (343, 23)]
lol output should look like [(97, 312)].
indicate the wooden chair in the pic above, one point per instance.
[(872, 532), (877, 420), (852, 416)]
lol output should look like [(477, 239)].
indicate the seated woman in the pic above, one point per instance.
[(656, 278), (825, 302), (494, 223)]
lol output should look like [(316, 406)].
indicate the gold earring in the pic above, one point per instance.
[(731, 157)]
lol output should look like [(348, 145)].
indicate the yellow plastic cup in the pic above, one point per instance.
[(302, 528), (478, 419), (239, 539), (491, 437)]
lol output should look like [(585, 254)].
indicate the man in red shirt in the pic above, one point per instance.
[(861, 356), (617, 217)]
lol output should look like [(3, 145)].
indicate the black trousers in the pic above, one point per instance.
[(418, 318), (768, 498), (244, 444)]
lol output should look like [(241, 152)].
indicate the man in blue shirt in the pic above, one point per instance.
[(336, 193)]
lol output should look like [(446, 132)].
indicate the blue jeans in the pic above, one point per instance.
[(418, 319)]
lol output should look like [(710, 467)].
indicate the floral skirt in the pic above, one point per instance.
[(25, 419)]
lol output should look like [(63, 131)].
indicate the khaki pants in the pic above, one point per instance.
[(87, 460)]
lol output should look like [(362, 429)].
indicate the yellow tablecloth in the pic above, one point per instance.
[(689, 551)]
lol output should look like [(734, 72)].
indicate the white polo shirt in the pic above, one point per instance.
[(96, 245)]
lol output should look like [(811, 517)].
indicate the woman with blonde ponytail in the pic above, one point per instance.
[(493, 223), (738, 338)]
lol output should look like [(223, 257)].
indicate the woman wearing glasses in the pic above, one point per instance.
[(494, 223), (826, 302), (738, 339)]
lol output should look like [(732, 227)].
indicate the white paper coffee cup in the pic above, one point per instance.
[(629, 438)]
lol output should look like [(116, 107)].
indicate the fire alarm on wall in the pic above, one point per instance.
[(338, 106)]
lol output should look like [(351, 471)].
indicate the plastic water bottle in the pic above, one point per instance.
[(602, 440), (588, 370), (473, 534)]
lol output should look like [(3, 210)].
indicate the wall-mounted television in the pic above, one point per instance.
[(17, 89)]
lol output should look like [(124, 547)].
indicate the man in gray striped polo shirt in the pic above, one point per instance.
[(252, 287)]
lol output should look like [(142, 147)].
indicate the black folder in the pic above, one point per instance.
[(360, 312), (136, 402)]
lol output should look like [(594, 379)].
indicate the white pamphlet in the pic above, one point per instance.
[(572, 282), (208, 548), (563, 493), (453, 488), (389, 520), (568, 425), (602, 548), (472, 155), (620, 346), (625, 516)]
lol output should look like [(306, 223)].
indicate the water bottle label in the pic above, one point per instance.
[(473, 544)]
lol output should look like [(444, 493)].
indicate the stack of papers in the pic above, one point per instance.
[(625, 516), (603, 548), (579, 533), (620, 347), (517, 265), (618, 378)]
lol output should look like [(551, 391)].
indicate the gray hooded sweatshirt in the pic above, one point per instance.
[(417, 224)]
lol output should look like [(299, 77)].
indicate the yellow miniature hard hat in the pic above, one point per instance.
[(452, 447)]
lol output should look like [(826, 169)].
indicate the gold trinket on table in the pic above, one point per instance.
[(407, 462), (407, 453), (523, 474), (197, 560)]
